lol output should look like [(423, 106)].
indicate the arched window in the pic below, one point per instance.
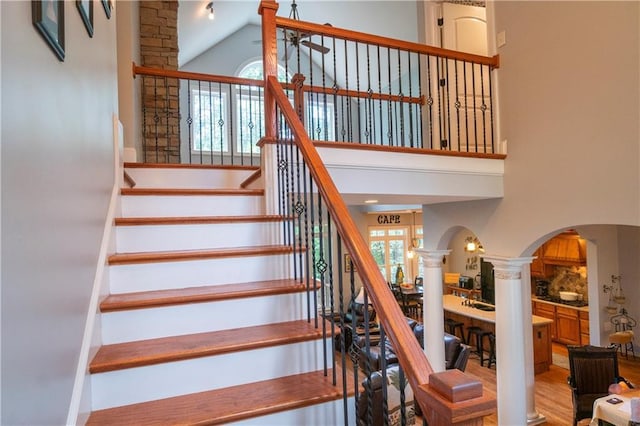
[(255, 70)]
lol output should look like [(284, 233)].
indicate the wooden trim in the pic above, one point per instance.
[(318, 29), (189, 166), (356, 94), (187, 192), (410, 354), (157, 72), (191, 220), (248, 181), (185, 255), (176, 348), (210, 293), (407, 150)]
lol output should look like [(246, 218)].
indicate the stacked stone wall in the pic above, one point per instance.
[(160, 96)]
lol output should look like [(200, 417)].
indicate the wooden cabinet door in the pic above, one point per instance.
[(568, 326), (541, 349), (547, 310)]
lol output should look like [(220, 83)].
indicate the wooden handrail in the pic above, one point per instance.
[(157, 72), (358, 94), (318, 29), (410, 354)]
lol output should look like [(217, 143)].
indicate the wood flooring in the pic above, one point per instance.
[(553, 397)]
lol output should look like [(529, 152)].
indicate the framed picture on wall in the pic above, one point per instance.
[(48, 18), (85, 7), (106, 5)]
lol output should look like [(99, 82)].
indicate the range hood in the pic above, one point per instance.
[(566, 249)]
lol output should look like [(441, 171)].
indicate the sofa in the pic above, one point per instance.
[(456, 357)]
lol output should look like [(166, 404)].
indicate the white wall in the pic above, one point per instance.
[(569, 105), (57, 163)]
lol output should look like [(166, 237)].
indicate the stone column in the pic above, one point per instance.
[(432, 311), (160, 96), (514, 342)]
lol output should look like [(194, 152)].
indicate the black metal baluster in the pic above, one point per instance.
[(238, 146), (380, 100), (389, 102), (447, 89), (357, 50), (343, 340), (221, 123), (484, 111), (466, 106), (156, 118), (410, 104), (430, 100), (475, 109), (189, 120), (420, 111), (457, 105), (369, 104), (400, 103)]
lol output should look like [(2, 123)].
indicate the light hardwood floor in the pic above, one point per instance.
[(553, 397)]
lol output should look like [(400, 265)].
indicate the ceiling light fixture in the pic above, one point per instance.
[(210, 9), (370, 201)]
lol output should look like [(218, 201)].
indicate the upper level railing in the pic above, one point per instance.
[(346, 86), (377, 90)]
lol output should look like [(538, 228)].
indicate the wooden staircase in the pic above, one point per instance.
[(203, 323)]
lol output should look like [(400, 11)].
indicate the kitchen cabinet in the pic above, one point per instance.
[(567, 325), (584, 327), (542, 349), (469, 316), (570, 325), (546, 310)]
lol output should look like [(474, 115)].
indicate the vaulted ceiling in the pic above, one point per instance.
[(196, 33)]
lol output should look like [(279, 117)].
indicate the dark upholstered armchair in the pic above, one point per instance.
[(592, 370), (456, 353)]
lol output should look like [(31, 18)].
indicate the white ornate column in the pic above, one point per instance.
[(432, 311), (514, 343)]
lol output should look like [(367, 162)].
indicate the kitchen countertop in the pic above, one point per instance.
[(564, 305), (454, 304)]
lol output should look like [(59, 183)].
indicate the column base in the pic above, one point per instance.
[(537, 420)]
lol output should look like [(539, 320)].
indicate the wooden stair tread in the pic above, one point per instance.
[(195, 254), (174, 348), (129, 165), (191, 191), (230, 404), (180, 220), (147, 299)]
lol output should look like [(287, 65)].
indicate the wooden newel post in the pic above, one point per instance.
[(268, 10), (453, 398)]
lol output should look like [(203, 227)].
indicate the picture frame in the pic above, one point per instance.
[(107, 6), (48, 18), (85, 8), (347, 264)]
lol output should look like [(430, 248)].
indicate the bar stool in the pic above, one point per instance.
[(623, 341), (492, 349), (453, 325), (479, 334)]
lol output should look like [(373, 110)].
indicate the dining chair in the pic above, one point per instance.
[(592, 370)]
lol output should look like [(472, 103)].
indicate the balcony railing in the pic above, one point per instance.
[(350, 87)]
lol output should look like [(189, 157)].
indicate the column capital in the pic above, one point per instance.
[(508, 267), (432, 258)]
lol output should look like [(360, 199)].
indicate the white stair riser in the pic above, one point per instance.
[(191, 205), (165, 380), (329, 413), (191, 178), (194, 273), (196, 236), (191, 318)]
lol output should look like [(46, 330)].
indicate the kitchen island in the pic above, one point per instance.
[(476, 316)]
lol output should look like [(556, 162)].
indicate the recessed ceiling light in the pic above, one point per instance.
[(370, 201)]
